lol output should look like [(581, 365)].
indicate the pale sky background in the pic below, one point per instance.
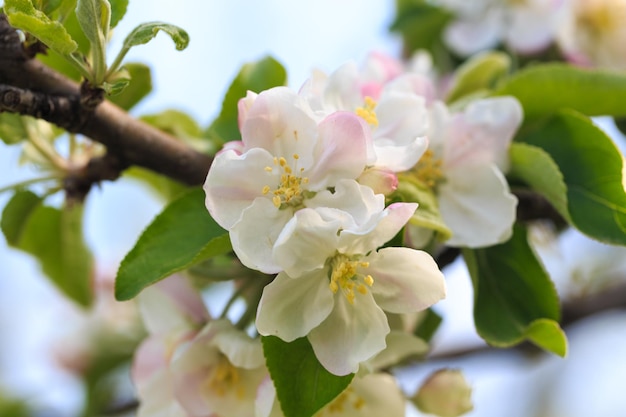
[(301, 35)]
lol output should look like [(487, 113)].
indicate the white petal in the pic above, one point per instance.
[(358, 200), (477, 205), (237, 346), (466, 37), (234, 181), (378, 231), (399, 139), (342, 150), (351, 334), (373, 395), (405, 280), (483, 133), (305, 242), (254, 236), (282, 123), (290, 308)]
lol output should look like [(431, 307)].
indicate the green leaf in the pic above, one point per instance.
[(178, 238), (258, 76), (12, 128), (481, 72), (118, 10), (428, 325), (545, 89), (421, 24), (592, 168), (536, 168), (23, 15), (548, 335), (512, 292), (139, 87), (16, 214), (164, 187), (145, 32), (303, 385), (94, 17), (55, 238)]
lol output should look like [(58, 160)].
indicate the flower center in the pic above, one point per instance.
[(347, 401), (225, 379), (428, 169), (344, 277), (600, 17), (289, 191), (367, 111)]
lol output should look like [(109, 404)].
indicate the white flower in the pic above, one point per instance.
[(464, 164), (172, 312), (594, 32), (285, 158), (337, 297), (372, 395), (526, 27), (219, 372), (398, 118)]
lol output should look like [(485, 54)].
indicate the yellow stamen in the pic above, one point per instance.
[(367, 111), (344, 276), (225, 378), (429, 169), (289, 190)]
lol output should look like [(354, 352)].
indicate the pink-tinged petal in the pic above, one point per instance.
[(418, 84), (281, 122), (234, 181), (343, 90), (254, 236), (357, 200), (405, 280), (234, 145), (477, 205), (243, 105), (381, 67), (186, 298), (342, 151), (240, 349), (380, 180), (171, 306), (305, 242), (466, 37), (351, 334), (290, 308), (150, 357), (377, 232), (206, 382), (266, 403), (483, 133), (531, 29), (157, 398)]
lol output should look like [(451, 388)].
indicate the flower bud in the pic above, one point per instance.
[(445, 393)]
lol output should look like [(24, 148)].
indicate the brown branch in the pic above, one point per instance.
[(29, 87)]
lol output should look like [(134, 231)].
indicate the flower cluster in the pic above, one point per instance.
[(311, 193)]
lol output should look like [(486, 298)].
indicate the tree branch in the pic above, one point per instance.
[(29, 87)]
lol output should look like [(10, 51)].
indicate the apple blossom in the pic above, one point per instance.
[(594, 32), (398, 118), (371, 395), (525, 26), (464, 163), (337, 297), (219, 372), (172, 313), (285, 157)]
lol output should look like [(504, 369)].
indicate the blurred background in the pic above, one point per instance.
[(43, 338)]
